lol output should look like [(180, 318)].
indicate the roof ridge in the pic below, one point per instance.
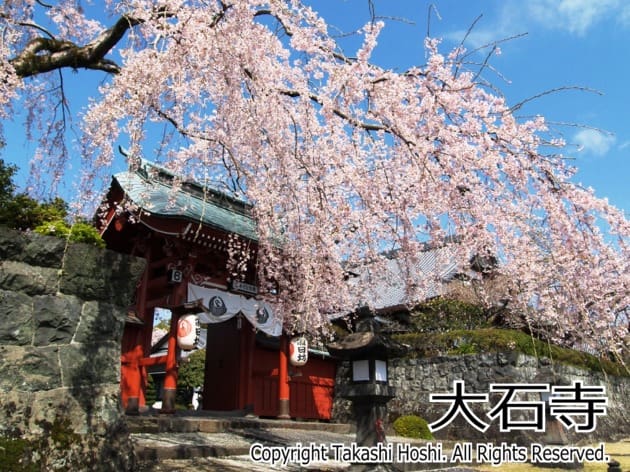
[(191, 187), (156, 194)]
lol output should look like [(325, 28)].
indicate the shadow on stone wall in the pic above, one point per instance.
[(62, 313)]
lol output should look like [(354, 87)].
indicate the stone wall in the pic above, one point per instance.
[(415, 379), (62, 312)]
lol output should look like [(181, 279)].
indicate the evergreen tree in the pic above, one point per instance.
[(191, 374)]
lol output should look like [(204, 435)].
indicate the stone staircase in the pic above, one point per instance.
[(195, 442), (202, 442)]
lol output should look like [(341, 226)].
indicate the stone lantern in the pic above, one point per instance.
[(368, 352), (554, 431)]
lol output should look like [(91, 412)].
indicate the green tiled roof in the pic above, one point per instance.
[(150, 188)]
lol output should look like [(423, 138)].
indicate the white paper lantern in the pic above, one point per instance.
[(298, 351), (188, 330)]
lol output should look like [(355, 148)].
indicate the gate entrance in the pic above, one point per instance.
[(221, 385)]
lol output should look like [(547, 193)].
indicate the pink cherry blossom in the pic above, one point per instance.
[(343, 160)]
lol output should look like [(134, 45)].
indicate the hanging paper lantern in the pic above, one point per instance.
[(188, 330), (298, 351)]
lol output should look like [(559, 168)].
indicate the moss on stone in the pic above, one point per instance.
[(34, 454), (503, 340), (445, 314), (60, 433), (15, 454)]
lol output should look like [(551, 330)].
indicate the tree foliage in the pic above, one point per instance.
[(163, 324), (78, 232), (344, 160), (19, 211), (7, 187), (191, 371), (23, 212)]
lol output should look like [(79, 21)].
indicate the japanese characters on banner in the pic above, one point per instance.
[(298, 351), (221, 306)]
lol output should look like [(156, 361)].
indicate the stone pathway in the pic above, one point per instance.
[(171, 444)]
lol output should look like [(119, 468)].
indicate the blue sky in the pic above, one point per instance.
[(582, 43)]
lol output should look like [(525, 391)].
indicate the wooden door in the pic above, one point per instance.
[(221, 386)]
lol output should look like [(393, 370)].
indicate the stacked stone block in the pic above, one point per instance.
[(62, 312), (416, 378)]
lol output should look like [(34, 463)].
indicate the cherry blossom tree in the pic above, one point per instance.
[(346, 162)]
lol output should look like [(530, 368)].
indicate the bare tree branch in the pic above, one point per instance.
[(42, 55), (492, 43), (432, 8), (36, 26), (520, 104)]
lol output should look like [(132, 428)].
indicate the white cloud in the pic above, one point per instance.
[(574, 16), (514, 17), (504, 26), (624, 16), (591, 141)]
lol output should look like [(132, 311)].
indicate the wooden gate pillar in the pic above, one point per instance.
[(283, 380)]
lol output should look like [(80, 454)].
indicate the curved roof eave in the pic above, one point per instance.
[(159, 199)]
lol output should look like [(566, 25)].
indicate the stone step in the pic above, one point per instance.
[(230, 464), (152, 448), (210, 424), (228, 451), (178, 443), (165, 443), (172, 452)]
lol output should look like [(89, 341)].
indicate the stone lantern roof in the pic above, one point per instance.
[(367, 340)]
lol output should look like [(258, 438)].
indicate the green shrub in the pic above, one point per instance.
[(463, 347), (22, 212), (190, 375), (412, 426), (150, 396), (444, 314), (78, 233)]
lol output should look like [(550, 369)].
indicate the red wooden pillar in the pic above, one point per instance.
[(170, 379), (133, 351), (283, 380), (131, 380)]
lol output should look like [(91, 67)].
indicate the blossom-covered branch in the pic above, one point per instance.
[(347, 163)]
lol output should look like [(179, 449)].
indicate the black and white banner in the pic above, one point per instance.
[(221, 306)]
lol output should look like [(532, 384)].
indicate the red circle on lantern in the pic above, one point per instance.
[(183, 328)]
